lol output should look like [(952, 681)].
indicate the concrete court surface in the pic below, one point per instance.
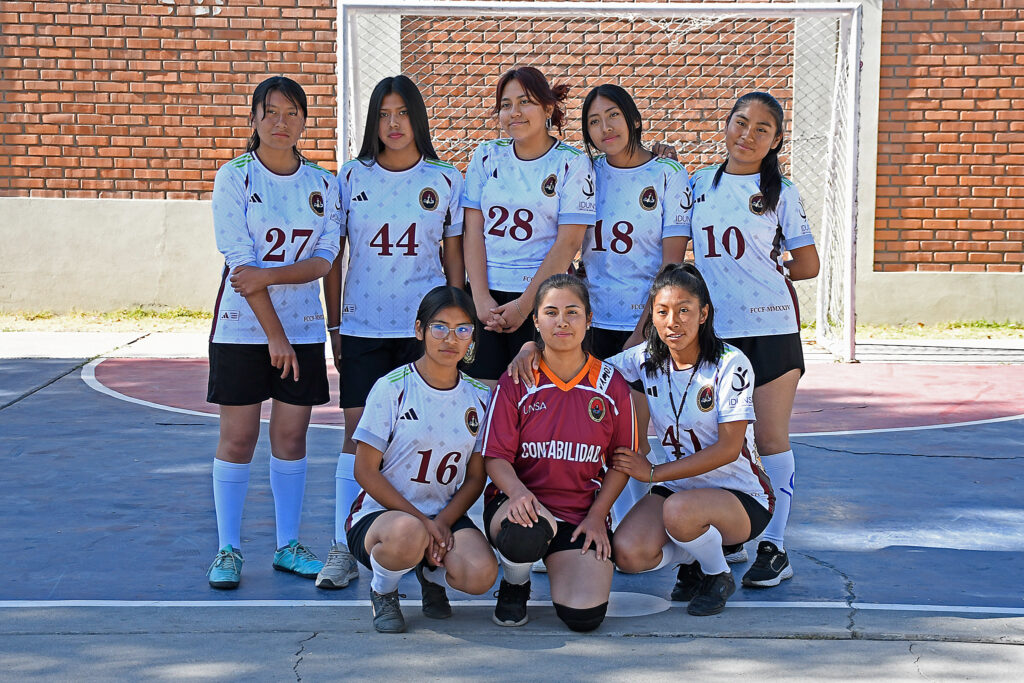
[(907, 546)]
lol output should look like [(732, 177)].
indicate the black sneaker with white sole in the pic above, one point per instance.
[(511, 607), (435, 599), (770, 568), (714, 591), (688, 580), (735, 554)]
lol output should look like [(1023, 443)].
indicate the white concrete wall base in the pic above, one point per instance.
[(106, 254), (939, 297)]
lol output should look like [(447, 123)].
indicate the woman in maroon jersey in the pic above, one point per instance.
[(545, 450)]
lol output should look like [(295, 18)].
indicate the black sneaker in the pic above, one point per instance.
[(769, 569), (688, 579), (511, 607), (735, 554), (714, 591), (387, 614), (435, 599)]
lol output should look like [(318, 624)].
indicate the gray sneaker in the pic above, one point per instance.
[(339, 569), (387, 614)]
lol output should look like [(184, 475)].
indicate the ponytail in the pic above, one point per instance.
[(770, 173)]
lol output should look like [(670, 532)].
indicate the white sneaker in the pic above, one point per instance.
[(339, 569)]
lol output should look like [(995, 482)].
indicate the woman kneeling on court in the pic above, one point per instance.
[(419, 472), (545, 450), (712, 490)]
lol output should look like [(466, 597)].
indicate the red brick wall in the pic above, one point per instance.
[(951, 136), (142, 99)]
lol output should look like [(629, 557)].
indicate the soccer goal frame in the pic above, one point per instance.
[(836, 143)]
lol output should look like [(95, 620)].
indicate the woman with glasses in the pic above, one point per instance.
[(420, 470)]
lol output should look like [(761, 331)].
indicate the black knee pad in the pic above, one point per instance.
[(582, 620), (524, 543)]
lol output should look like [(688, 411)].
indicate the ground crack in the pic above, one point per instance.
[(851, 596), (917, 665), (298, 653), (849, 451)]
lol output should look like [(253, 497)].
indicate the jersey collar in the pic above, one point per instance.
[(591, 367)]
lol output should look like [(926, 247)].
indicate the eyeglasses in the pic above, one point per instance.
[(439, 331)]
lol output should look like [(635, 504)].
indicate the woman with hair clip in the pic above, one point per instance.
[(274, 225), (545, 450), (419, 469), (643, 219), (528, 201), (712, 490), (746, 216), (399, 204)]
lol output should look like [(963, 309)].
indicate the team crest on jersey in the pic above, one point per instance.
[(472, 421), (706, 398), (596, 409), (549, 185), (428, 199), (316, 202), (757, 204), (648, 198)]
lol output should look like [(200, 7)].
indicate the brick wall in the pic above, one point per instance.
[(147, 98), (951, 136)]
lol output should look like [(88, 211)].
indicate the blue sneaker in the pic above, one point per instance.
[(226, 570), (297, 559)]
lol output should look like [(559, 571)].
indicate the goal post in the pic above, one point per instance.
[(684, 64)]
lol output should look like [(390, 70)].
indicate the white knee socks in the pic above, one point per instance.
[(781, 469), (707, 548), (345, 491), (385, 580), (288, 483), (230, 482), (516, 573)]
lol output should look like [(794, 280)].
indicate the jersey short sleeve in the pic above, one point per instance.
[(453, 222), (735, 394), (796, 231), (500, 435), (475, 177), (229, 216), (678, 204), (629, 363), (380, 415), (576, 193)]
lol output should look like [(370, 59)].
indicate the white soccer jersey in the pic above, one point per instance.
[(523, 203), (738, 245), (394, 221), (722, 392), (636, 209), (427, 436), (267, 220)]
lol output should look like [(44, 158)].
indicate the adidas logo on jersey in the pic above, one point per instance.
[(255, 199), (652, 391), (409, 415), (361, 197)]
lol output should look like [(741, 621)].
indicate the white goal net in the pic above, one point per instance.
[(684, 64)]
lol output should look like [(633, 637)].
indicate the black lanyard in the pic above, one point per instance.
[(677, 411)]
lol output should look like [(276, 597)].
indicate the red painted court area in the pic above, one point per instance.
[(832, 397)]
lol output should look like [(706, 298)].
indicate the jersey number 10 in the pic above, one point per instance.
[(732, 242)]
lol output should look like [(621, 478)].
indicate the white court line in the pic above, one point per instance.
[(882, 607), (89, 377)]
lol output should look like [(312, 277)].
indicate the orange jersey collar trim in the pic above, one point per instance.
[(592, 367)]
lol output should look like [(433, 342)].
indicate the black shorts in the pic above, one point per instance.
[(771, 356), (605, 343), (563, 533), (241, 375), (494, 351), (757, 514), (356, 536), (364, 360)]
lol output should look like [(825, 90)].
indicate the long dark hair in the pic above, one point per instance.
[(562, 281), (402, 86), (537, 89), (440, 298), (686, 277), (625, 104), (287, 87), (770, 181)]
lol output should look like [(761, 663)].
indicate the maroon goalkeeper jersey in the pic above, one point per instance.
[(557, 435)]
